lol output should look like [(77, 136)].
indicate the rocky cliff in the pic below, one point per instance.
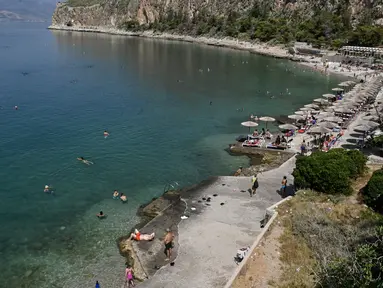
[(113, 13)]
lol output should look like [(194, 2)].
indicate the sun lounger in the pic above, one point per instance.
[(253, 143), (276, 147)]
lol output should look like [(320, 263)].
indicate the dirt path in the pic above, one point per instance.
[(263, 268)]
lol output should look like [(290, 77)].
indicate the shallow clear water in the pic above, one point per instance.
[(153, 99)]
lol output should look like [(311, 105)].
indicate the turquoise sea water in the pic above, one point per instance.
[(153, 97)]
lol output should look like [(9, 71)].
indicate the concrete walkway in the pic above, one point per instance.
[(208, 240)]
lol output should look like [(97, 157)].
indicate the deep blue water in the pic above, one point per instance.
[(153, 99)]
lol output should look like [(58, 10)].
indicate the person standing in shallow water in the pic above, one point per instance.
[(168, 241)]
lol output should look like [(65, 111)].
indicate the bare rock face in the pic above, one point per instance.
[(113, 13)]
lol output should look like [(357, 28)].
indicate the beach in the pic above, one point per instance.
[(208, 224)]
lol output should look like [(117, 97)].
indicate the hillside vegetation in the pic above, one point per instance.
[(325, 22)]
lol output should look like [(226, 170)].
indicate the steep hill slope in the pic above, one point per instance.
[(331, 21)]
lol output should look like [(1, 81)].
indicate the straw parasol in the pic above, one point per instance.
[(319, 130), (249, 124), (301, 112), (333, 119), (329, 125), (321, 101), (296, 117), (314, 106), (322, 115), (342, 110), (288, 127), (370, 123), (327, 96), (267, 119), (363, 128), (337, 89), (371, 118)]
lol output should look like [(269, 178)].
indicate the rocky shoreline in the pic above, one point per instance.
[(262, 49)]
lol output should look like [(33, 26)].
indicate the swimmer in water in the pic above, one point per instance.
[(106, 133), (16, 108), (101, 215), (48, 189), (123, 198), (87, 162), (115, 194)]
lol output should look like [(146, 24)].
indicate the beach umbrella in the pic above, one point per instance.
[(267, 119), (351, 82), (328, 96), (322, 115), (329, 125), (301, 112), (296, 117), (249, 124), (319, 130), (333, 119), (337, 89), (343, 110), (371, 118), (288, 127), (321, 101), (370, 123), (363, 128), (314, 106), (343, 84), (305, 109)]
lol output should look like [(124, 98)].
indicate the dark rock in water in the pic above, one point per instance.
[(215, 195), (207, 204), (157, 267), (208, 200), (222, 204), (199, 201), (172, 264), (223, 184), (25, 73), (204, 199), (243, 191)]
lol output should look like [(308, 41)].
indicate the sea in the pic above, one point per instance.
[(171, 110)]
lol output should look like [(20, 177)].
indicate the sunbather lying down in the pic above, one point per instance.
[(139, 237)]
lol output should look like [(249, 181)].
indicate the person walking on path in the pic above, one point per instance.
[(129, 276), (303, 147), (168, 241), (97, 285), (255, 185), (284, 185)]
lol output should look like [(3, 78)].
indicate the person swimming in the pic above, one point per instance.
[(106, 134), (115, 194), (101, 215), (48, 189), (123, 198), (87, 162)]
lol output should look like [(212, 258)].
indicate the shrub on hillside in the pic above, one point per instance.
[(373, 191), (329, 172), (364, 268)]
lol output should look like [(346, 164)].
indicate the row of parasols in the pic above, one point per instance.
[(328, 112)]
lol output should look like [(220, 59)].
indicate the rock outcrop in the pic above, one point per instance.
[(114, 13)]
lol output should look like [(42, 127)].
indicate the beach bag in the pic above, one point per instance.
[(241, 253)]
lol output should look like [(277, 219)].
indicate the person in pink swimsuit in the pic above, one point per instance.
[(129, 276)]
